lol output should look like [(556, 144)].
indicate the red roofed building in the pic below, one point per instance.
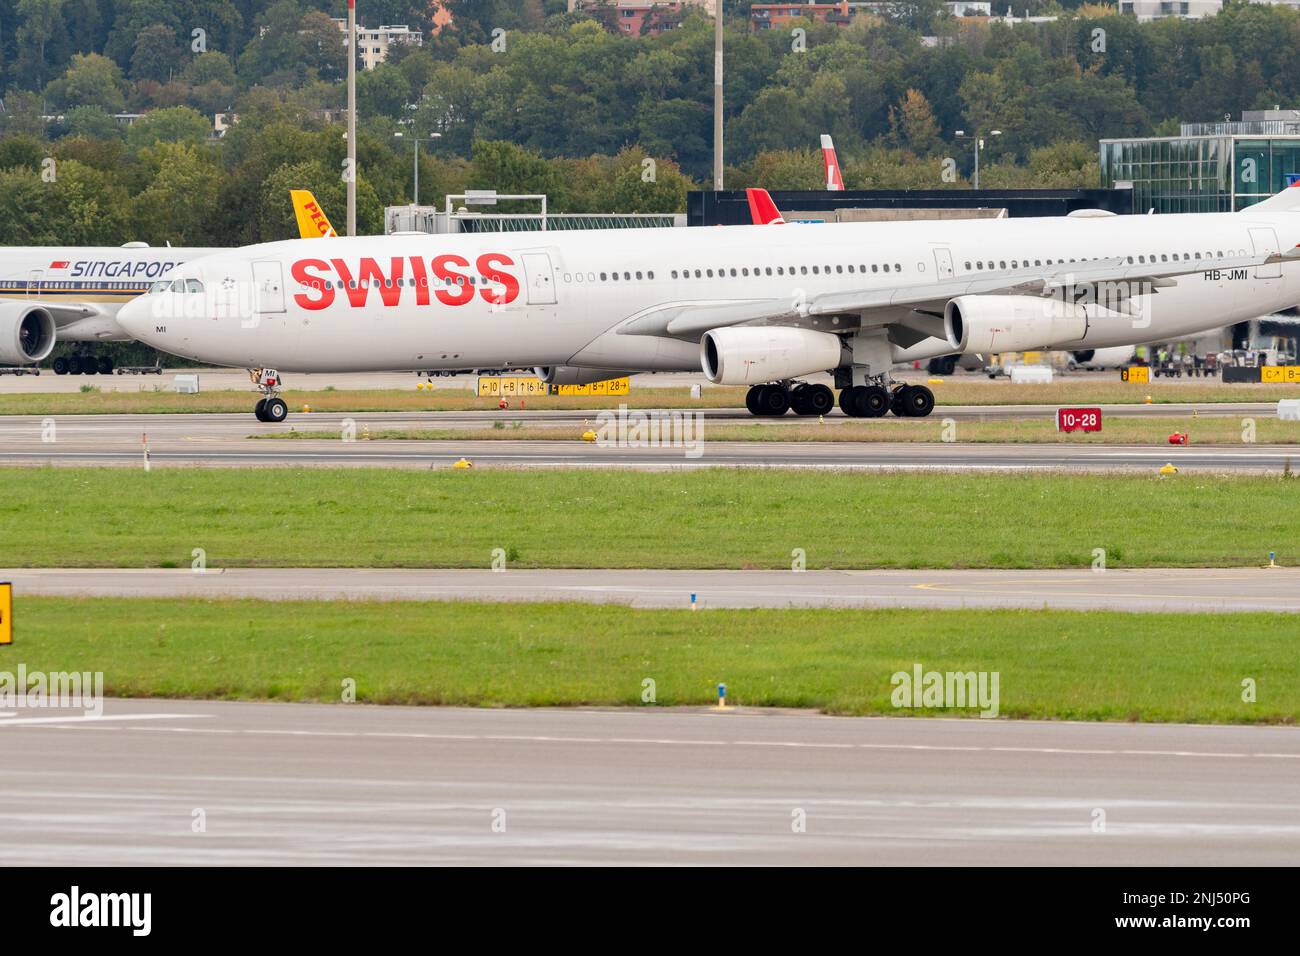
[(777, 16)]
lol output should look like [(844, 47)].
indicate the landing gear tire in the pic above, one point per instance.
[(898, 400), (773, 400), (751, 400), (918, 401), (105, 365), (812, 400), (74, 365), (874, 401), (864, 401), (259, 410), (60, 365), (275, 410)]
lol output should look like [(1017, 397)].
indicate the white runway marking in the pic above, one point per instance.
[(88, 719), (679, 742)]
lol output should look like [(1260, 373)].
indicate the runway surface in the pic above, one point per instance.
[(223, 440), (354, 784), (1177, 590)]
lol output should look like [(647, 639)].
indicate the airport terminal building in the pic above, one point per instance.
[(1209, 167)]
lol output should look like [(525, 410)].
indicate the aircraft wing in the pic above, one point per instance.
[(66, 313), (910, 305)]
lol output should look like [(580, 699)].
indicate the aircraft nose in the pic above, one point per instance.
[(137, 317)]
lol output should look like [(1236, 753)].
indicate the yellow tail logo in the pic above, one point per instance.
[(312, 221)]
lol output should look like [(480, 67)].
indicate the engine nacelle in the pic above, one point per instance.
[(1015, 323), (574, 375), (26, 334), (767, 353)]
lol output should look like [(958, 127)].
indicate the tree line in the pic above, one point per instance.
[(524, 96)]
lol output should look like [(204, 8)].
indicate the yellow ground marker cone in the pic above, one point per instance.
[(306, 408), (934, 381), (1148, 400), (589, 435), (463, 464), (1168, 469)]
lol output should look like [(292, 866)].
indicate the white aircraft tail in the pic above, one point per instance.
[(1288, 200), (831, 165)]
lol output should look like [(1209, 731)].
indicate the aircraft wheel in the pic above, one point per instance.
[(918, 401), (874, 401), (774, 400), (74, 365), (898, 400), (60, 365), (105, 365), (259, 410), (751, 399), (817, 399), (848, 404), (275, 411)]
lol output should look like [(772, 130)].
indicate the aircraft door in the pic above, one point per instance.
[(34, 281), (943, 264), (268, 286), (540, 277), (1265, 242)]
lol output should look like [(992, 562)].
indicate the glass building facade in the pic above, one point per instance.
[(1201, 173)]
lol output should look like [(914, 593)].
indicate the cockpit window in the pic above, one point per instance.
[(160, 286), (193, 285), (178, 285)]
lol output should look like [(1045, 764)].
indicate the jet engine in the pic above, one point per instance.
[(1012, 323), (26, 334), (767, 353)]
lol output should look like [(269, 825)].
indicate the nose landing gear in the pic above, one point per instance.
[(271, 408)]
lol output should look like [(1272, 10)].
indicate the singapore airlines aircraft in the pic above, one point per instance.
[(762, 306)]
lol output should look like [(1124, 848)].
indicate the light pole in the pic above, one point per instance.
[(979, 143), (415, 189), (352, 117), (717, 94)]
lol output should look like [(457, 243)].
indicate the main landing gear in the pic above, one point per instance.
[(856, 401), (272, 408), (777, 399), (82, 365)]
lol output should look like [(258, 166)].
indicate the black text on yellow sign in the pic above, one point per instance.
[(1280, 374), (505, 386), (6, 613), (1135, 373)]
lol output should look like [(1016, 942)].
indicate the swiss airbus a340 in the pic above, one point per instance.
[(763, 305)]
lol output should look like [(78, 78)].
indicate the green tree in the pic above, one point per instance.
[(179, 124), (40, 21), (92, 121), (383, 91), (90, 80), (176, 205), (156, 55), (642, 184)]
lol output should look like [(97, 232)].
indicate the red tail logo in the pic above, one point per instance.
[(762, 211), (834, 181)]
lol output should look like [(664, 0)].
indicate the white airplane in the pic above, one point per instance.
[(748, 305), (52, 294)]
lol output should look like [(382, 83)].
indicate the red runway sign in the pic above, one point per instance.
[(1078, 419)]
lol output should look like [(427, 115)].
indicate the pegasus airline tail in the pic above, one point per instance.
[(312, 221)]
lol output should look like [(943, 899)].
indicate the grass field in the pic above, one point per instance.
[(1205, 430), (711, 518), (1051, 664), (1106, 390)]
